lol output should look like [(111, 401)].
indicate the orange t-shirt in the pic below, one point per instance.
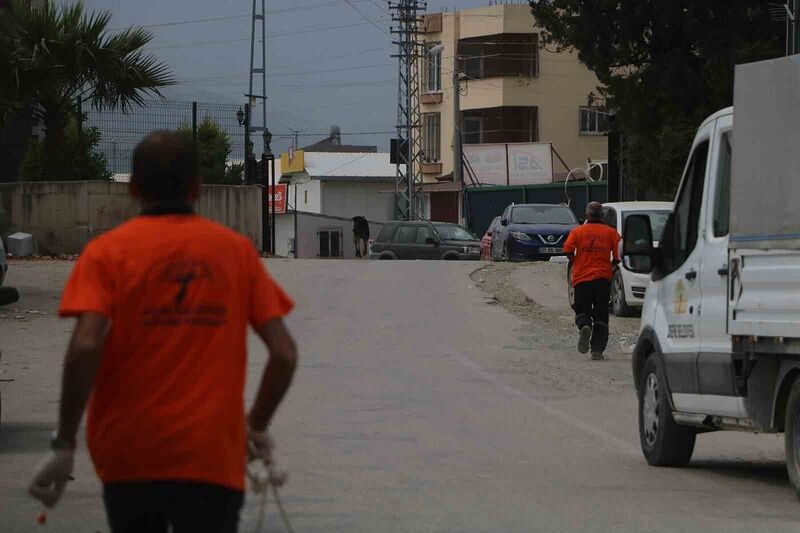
[(593, 245), (168, 400)]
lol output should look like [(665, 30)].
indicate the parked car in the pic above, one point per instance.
[(425, 240), (532, 232), (3, 263), (486, 241), (8, 295), (628, 287)]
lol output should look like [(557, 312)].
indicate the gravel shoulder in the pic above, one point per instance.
[(536, 293)]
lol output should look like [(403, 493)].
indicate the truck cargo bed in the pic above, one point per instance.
[(764, 299)]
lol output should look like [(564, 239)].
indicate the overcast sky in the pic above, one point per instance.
[(326, 64)]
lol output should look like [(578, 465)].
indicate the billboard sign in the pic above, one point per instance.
[(487, 162), (277, 197), (509, 164), (530, 163)]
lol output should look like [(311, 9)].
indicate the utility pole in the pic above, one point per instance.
[(258, 19), (458, 158), (408, 183), (795, 19)]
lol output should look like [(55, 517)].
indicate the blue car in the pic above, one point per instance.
[(531, 232)]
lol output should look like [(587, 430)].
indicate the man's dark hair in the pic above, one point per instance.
[(594, 211), (164, 166)]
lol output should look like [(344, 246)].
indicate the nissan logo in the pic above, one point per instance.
[(551, 238)]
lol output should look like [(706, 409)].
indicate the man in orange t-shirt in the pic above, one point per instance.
[(590, 248), (163, 303)]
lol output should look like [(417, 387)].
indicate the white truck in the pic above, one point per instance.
[(719, 344)]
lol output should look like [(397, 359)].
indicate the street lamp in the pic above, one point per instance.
[(268, 182)]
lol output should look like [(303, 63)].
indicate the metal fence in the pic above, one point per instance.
[(485, 203), (121, 132)]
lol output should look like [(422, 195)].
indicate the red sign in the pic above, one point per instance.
[(277, 196)]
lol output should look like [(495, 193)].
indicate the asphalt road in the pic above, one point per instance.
[(423, 403)]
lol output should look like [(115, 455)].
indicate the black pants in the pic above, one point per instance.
[(154, 506), (591, 309)]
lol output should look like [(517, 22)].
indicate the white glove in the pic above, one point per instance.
[(51, 476)]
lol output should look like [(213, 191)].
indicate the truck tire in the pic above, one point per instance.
[(619, 305), (664, 443), (792, 437)]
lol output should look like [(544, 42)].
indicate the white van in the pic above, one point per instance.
[(719, 344)]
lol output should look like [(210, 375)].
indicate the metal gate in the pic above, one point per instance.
[(482, 204)]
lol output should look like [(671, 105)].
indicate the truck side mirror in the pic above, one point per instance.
[(504, 222), (8, 295), (432, 240), (637, 244)]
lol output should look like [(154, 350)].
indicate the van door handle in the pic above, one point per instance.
[(723, 271), (691, 275)]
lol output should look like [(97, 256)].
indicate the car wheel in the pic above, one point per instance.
[(570, 288), (504, 253), (792, 437), (619, 305), (664, 442), (386, 257)]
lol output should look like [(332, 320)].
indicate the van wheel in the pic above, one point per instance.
[(664, 443), (619, 305), (792, 437)]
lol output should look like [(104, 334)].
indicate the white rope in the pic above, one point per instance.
[(261, 482)]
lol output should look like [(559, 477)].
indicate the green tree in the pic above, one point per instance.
[(58, 55), (664, 66), (78, 160), (213, 149)]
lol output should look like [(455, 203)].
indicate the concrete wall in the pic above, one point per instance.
[(562, 86), (358, 198), (308, 226), (64, 216), (309, 197)]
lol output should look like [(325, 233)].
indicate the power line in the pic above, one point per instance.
[(242, 16), (305, 73), (376, 4), (270, 36), (364, 16)]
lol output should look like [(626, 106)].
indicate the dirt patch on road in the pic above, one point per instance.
[(549, 336)]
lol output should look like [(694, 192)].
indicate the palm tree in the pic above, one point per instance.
[(62, 55)]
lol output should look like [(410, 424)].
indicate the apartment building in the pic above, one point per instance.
[(512, 90)]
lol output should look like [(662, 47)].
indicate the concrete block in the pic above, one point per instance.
[(20, 244)]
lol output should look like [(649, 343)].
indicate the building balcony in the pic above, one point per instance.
[(501, 55), (512, 124)]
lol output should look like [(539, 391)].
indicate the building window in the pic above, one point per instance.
[(593, 121), (472, 130), (330, 242), (433, 69), (431, 137), (508, 54)]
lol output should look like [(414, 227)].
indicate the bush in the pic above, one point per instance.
[(78, 159)]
